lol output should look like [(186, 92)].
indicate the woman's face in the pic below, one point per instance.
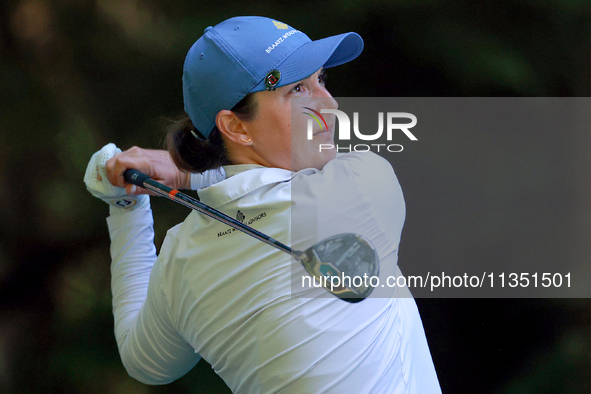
[(279, 138)]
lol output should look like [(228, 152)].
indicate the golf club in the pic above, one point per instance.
[(344, 256)]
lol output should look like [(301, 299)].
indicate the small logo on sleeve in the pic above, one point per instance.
[(124, 202)]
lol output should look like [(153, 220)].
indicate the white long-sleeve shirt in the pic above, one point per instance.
[(223, 295)]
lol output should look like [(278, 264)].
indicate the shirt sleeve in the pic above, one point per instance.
[(151, 349), (358, 193)]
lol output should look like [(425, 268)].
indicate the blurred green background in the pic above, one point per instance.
[(77, 74)]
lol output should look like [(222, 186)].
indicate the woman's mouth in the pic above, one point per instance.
[(323, 131)]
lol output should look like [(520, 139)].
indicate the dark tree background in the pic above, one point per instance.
[(77, 74)]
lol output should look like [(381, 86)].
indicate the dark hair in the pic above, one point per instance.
[(193, 154)]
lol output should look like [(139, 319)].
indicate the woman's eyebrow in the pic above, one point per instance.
[(322, 71)]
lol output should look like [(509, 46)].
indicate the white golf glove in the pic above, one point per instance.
[(99, 186)]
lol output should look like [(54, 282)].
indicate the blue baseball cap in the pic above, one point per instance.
[(249, 54)]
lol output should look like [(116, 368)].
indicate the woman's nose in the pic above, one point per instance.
[(327, 101)]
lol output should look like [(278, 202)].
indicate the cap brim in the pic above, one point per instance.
[(310, 57)]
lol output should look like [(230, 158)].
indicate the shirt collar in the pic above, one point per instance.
[(240, 180), (235, 169)]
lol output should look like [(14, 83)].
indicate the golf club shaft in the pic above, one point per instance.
[(142, 180)]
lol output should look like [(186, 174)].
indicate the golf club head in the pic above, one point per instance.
[(350, 258)]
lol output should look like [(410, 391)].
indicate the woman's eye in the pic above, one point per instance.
[(297, 88), (322, 78)]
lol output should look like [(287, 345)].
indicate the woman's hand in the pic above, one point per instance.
[(157, 164)]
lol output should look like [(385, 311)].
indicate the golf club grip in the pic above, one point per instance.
[(135, 177)]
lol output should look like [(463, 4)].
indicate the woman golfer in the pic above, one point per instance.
[(221, 295)]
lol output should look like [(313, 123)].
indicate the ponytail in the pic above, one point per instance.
[(193, 153)]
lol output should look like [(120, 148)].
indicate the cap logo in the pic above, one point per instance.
[(280, 25), (272, 79)]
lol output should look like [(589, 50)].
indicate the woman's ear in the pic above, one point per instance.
[(232, 127)]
